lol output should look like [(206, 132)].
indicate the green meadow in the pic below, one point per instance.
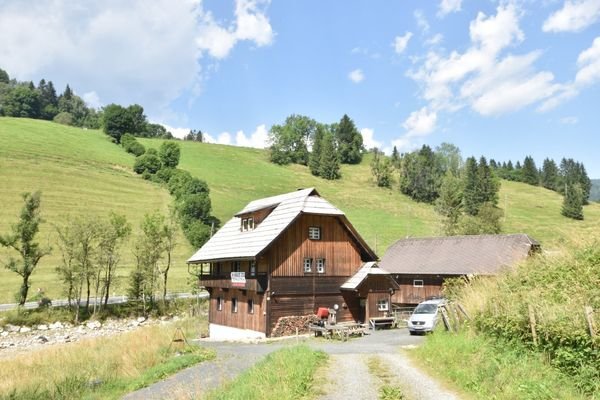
[(82, 172)]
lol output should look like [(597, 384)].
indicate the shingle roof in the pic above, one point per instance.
[(231, 243), (457, 255), (368, 268)]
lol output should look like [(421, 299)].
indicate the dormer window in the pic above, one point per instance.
[(247, 224), (314, 233)]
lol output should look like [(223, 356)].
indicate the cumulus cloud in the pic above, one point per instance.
[(400, 42), (420, 123), (369, 139), (123, 52), (250, 24), (258, 139), (92, 99), (356, 75), (448, 6), (588, 74), (481, 77), (574, 16)]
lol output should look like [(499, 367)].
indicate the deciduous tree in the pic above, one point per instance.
[(21, 239)]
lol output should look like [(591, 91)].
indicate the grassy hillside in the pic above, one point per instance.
[(237, 175), (82, 172), (79, 172)]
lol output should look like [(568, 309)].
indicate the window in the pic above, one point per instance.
[(382, 305), (418, 283), (252, 268), (234, 305), (314, 233), (250, 306), (235, 266), (321, 265), (247, 224), (308, 265), (219, 303), (218, 268)]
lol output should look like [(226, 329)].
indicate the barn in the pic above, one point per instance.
[(421, 265), (287, 256)]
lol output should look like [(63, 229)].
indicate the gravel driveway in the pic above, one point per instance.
[(347, 368)]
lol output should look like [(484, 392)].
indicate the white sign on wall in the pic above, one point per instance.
[(238, 279)]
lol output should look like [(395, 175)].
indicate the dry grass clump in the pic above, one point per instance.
[(91, 362)]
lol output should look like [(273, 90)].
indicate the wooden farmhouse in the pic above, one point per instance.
[(421, 265), (287, 256)]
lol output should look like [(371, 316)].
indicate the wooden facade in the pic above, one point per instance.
[(282, 284), (415, 289)]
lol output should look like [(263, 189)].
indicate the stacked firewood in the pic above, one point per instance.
[(286, 326)]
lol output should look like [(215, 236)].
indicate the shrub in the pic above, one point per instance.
[(147, 163), (169, 154), (64, 118)]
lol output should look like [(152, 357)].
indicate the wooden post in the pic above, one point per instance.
[(532, 325), (589, 317), (446, 319), (462, 310)]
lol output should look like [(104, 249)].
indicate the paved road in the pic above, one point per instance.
[(111, 300), (233, 358)]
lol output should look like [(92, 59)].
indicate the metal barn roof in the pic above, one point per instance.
[(457, 255)]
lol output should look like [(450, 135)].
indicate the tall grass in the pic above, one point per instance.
[(488, 368), (108, 366), (286, 374), (556, 287)]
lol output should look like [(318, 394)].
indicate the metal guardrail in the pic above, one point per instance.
[(111, 300)]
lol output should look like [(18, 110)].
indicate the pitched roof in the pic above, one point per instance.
[(457, 255), (368, 268), (231, 243)]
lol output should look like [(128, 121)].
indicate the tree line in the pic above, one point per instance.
[(321, 147), (568, 178), (26, 100), (91, 250)]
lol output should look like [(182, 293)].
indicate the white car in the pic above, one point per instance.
[(425, 317)]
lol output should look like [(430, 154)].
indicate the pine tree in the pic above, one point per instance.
[(471, 195), (573, 202), (395, 158), (549, 175), (329, 167), (314, 162), (529, 172), (349, 141), (488, 186)]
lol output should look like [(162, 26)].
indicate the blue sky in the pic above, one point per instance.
[(501, 79)]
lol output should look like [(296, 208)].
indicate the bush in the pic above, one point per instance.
[(147, 163), (131, 145), (178, 181), (196, 233), (169, 154), (64, 118), (164, 174)]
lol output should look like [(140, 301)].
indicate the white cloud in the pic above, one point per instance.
[(448, 6), (92, 99), (588, 74), (258, 139), (224, 138), (125, 52), (180, 132), (481, 77), (574, 16), (251, 24), (569, 120), (420, 123), (400, 42), (356, 76), (435, 39), (368, 138), (421, 20)]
